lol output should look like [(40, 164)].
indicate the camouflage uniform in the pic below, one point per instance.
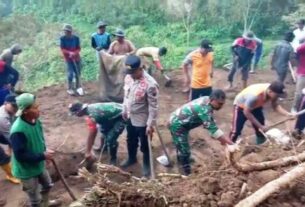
[(189, 116), (109, 117)]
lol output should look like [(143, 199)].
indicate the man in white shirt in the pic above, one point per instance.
[(299, 34)]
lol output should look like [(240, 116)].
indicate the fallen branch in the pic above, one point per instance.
[(274, 186), (282, 162)]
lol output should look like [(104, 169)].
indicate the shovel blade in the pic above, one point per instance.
[(163, 160)]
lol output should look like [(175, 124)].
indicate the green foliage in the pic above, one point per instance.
[(36, 24)]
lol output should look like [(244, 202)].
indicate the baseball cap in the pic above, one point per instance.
[(278, 87), (206, 44), (24, 101), (11, 99), (77, 107), (132, 63)]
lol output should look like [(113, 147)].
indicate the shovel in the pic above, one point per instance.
[(164, 159), (168, 82), (63, 180), (151, 159), (79, 90)]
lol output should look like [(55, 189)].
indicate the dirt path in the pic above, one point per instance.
[(60, 127)]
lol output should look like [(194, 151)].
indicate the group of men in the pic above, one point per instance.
[(101, 40), (139, 110), (21, 131)]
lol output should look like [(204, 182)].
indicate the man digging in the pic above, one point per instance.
[(191, 115), (248, 105), (108, 116)]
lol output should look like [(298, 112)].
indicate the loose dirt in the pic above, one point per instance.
[(212, 183)]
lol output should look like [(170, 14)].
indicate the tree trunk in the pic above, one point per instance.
[(282, 162), (283, 182)]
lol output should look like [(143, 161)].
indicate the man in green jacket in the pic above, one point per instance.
[(30, 153)]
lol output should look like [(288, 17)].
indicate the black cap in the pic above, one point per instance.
[(277, 87), (206, 44), (101, 24), (301, 21), (77, 107), (132, 63), (10, 99)]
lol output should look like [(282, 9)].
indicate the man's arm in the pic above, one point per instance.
[(63, 49), (186, 62), (111, 51), (91, 136), (249, 104), (132, 48), (209, 124), (278, 108), (152, 99), (93, 43), (21, 153)]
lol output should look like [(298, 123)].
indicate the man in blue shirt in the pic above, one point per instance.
[(100, 40)]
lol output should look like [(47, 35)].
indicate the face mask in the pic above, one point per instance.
[(31, 113)]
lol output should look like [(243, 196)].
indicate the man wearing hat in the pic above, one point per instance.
[(30, 152), (140, 108), (299, 34), (249, 103), (8, 54), (121, 46), (7, 115), (109, 118), (202, 70), (283, 53), (243, 49), (100, 40), (70, 48), (8, 79), (154, 53)]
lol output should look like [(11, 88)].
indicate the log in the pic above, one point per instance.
[(282, 162), (285, 181)]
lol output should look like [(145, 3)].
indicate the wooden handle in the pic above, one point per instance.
[(151, 158), (64, 181)]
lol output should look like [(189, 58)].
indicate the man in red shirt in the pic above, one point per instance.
[(300, 76), (70, 48), (243, 49)]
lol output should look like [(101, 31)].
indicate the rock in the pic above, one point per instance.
[(213, 204), (209, 185), (226, 199)]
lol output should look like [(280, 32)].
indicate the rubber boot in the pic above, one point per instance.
[(45, 202), (8, 171), (113, 157), (132, 157), (146, 165), (185, 163)]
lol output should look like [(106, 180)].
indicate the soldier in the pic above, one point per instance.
[(191, 115), (109, 118), (140, 108)]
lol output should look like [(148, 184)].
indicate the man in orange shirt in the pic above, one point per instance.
[(248, 105), (202, 70)]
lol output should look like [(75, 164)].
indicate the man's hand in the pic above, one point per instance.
[(233, 148), (89, 156), (225, 140), (8, 86), (264, 128), (292, 115), (149, 131), (212, 74), (49, 154)]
